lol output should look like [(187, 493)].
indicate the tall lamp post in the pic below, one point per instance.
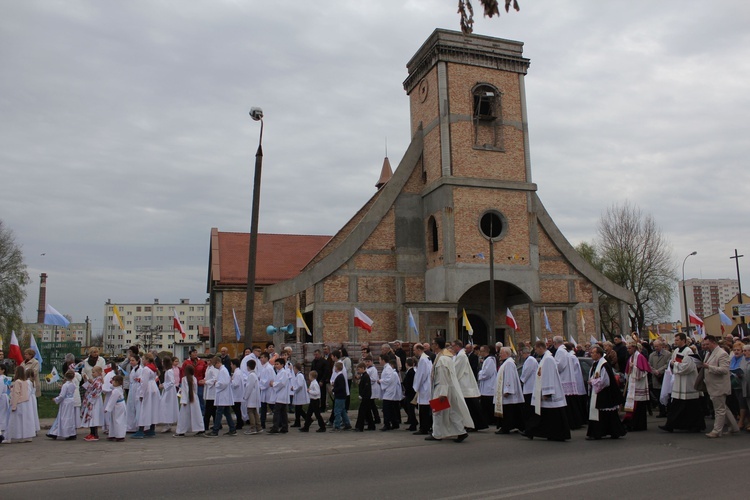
[(684, 292), (257, 115)]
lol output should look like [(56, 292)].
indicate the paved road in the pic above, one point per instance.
[(380, 465)]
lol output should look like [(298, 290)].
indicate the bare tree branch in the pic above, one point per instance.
[(491, 9), (635, 254)]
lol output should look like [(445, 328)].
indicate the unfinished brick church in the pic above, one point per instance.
[(461, 199)]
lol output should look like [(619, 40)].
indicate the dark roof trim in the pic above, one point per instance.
[(579, 263)]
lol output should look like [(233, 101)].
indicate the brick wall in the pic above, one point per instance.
[(336, 288), (470, 204)]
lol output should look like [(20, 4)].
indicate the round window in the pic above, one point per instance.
[(493, 225)]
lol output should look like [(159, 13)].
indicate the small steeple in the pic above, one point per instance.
[(385, 174)]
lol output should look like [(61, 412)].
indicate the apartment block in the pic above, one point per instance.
[(151, 325), (707, 296)]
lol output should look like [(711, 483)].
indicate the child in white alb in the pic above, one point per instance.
[(190, 418), (116, 409)]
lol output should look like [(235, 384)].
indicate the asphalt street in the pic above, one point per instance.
[(381, 465)]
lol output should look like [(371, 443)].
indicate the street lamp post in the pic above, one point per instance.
[(684, 292), (257, 115)]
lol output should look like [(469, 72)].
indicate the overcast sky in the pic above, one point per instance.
[(125, 135)]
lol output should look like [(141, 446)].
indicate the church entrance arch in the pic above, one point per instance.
[(479, 325), (476, 302)]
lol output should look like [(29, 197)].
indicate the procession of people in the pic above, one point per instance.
[(446, 391)]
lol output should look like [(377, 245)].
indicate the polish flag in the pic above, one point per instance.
[(362, 320), (177, 325), (510, 320), (15, 349), (694, 318)]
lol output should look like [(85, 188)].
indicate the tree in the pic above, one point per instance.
[(97, 340), (13, 280), (491, 8), (635, 254), (608, 306)]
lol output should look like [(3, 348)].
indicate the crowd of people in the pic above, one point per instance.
[(445, 390)]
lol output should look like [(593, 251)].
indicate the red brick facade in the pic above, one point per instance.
[(460, 165)]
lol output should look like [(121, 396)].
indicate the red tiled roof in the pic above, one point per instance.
[(280, 256), (205, 332)]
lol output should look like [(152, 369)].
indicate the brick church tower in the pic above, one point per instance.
[(459, 225), (467, 94)]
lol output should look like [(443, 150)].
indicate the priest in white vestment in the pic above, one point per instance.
[(562, 358), (508, 398), (685, 411), (487, 378), (528, 378), (454, 420), (468, 384), (549, 419)]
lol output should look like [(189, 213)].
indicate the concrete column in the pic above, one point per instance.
[(278, 320), (624, 321), (318, 314)]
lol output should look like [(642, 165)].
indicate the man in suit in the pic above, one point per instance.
[(473, 359), (659, 361), (409, 394), (364, 415), (716, 377), (320, 365), (401, 355)]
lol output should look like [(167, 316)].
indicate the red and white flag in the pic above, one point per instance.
[(177, 325), (694, 318), (510, 320), (362, 320), (14, 352), (698, 322)]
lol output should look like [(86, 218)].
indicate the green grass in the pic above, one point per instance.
[(47, 407)]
